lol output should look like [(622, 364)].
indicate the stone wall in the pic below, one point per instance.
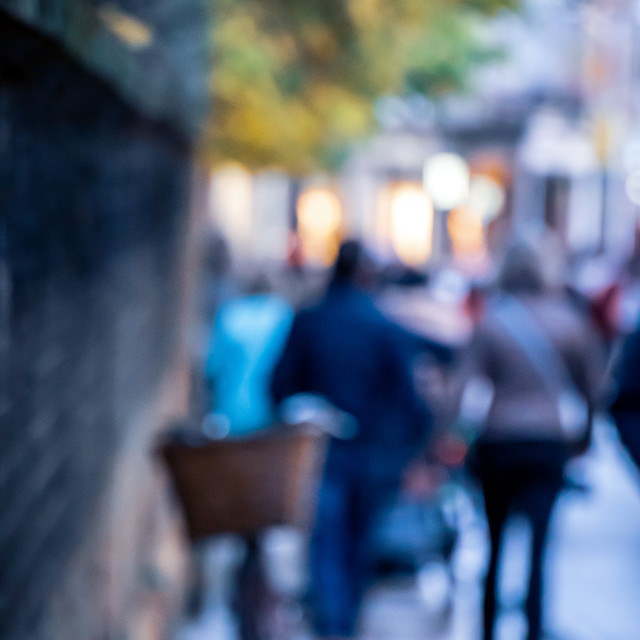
[(93, 225), (155, 54)]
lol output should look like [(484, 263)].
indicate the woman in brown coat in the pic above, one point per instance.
[(539, 355)]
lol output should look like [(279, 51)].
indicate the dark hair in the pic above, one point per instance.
[(349, 261)]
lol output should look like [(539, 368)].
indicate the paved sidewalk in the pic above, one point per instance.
[(593, 572)]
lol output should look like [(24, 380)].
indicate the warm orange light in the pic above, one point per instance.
[(466, 231), (411, 223), (231, 205), (319, 224)]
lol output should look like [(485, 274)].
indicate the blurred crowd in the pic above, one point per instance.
[(426, 376)]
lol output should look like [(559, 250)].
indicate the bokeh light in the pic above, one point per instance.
[(319, 225), (466, 231), (486, 196), (446, 180), (411, 223)]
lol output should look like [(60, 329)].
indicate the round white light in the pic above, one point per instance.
[(485, 196), (446, 179)]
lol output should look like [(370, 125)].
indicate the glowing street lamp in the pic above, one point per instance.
[(446, 180)]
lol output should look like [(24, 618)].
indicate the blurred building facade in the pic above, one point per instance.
[(553, 121), (99, 110), (575, 163)]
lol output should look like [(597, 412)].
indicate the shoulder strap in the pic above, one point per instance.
[(534, 342)]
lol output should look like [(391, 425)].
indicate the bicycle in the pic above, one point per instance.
[(243, 487)]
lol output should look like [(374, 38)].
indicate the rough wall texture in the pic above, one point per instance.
[(92, 228), (155, 54)]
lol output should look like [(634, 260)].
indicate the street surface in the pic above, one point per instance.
[(593, 571)]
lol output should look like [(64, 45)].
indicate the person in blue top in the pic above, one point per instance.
[(248, 335), (344, 350)]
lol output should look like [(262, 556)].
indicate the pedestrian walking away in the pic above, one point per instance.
[(541, 360), (345, 350)]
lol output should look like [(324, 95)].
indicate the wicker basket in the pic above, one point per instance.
[(243, 486)]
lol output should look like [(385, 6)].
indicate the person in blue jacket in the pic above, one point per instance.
[(247, 337), (346, 351)]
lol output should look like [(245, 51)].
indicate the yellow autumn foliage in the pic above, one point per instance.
[(293, 83)]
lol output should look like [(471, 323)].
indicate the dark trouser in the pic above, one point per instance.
[(349, 502), (519, 477)]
